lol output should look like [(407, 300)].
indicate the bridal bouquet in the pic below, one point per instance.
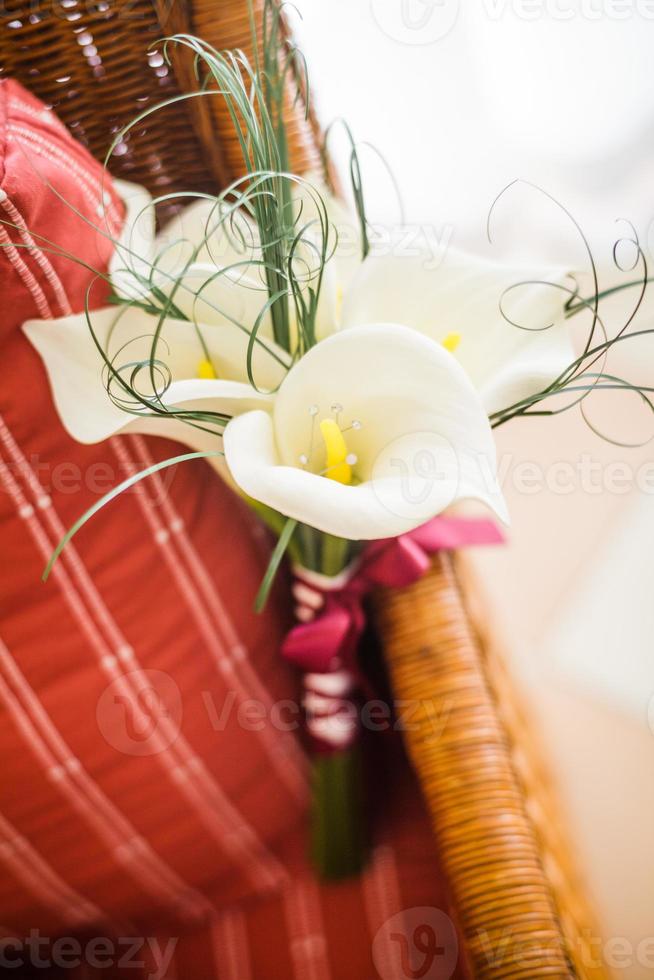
[(347, 394)]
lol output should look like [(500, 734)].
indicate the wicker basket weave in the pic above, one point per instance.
[(500, 842), (98, 65), (508, 872)]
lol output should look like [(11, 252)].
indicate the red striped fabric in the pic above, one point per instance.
[(155, 784)]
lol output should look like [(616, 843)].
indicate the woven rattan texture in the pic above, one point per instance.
[(98, 64), (519, 916)]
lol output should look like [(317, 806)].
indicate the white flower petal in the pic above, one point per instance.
[(344, 247), (349, 512), (424, 440), (131, 262), (215, 260), (75, 370), (208, 252), (466, 295)]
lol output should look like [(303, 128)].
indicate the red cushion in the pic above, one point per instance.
[(153, 778), (159, 582)]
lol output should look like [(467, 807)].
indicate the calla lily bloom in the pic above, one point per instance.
[(504, 324), (208, 257), (210, 261), (80, 380), (377, 428), (374, 431)]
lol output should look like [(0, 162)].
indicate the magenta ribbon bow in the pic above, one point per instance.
[(329, 641)]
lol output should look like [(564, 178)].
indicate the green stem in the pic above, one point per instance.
[(337, 828), (337, 825), (335, 554)]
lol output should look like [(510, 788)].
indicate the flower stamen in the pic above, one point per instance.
[(451, 341), (354, 424), (206, 370), (336, 408), (339, 467)]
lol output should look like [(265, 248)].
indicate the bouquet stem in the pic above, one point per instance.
[(337, 824), (335, 554), (325, 652)]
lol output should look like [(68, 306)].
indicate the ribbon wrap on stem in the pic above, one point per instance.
[(324, 644)]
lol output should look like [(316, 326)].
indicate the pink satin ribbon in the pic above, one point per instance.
[(327, 644)]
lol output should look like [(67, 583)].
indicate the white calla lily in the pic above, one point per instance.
[(77, 373), (211, 253), (377, 428), (414, 437), (505, 324), (207, 254)]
